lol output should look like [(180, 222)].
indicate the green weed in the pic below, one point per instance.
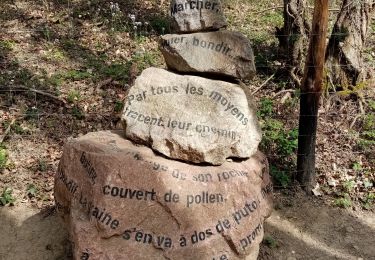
[(31, 190), (348, 186), (32, 113), (265, 108), (270, 242), (3, 158), (365, 145), (55, 80), (73, 96), (42, 165), (371, 104), (274, 18), (343, 202), (357, 166), (144, 60), (116, 71), (366, 140), (76, 75), (55, 54), (119, 105), (7, 45), (275, 136), (368, 202), (288, 142), (369, 122), (281, 177), (18, 129), (77, 113), (6, 197)]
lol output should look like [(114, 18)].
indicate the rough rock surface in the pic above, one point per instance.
[(224, 53), (190, 118), (197, 15), (121, 201)]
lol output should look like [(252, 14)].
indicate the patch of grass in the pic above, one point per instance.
[(274, 18), (288, 142), (116, 71), (277, 138), (18, 129), (281, 177), (348, 186), (119, 106), (140, 39), (120, 71), (77, 113), (55, 54), (7, 45), (32, 113), (270, 242), (68, 44), (343, 202), (366, 140), (371, 105), (76, 75), (265, 108), (31, 190), (3, 158), (7, 197), (368, 202), (144, 60), (42, 165), (73, 96), (369, 122), (365, 145), (55, 80), (357, 166)]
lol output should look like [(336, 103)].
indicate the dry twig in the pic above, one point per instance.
[(269, 9), (263, 84), (2, 138), (23, 88), (281, 6), (283, 91)]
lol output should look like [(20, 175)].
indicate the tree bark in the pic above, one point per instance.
[(311, 88), (344, 61), (293, 37)]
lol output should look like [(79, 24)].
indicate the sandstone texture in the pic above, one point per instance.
[(224, 53), (190, 118), (196, 15), (121, 201)]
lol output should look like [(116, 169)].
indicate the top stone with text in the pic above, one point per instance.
[(197, 15)]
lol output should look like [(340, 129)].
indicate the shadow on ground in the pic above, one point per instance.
[(305, 228), (302, 228), (25, 234)]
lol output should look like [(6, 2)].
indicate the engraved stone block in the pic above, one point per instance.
[(121, 201), (223, 53), (197, 15)]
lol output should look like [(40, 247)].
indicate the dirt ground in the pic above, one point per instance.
[(300, 228)]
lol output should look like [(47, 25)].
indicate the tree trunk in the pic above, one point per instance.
[(293, 37), (311, 88), (344, 61)]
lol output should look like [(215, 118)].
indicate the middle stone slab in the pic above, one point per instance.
[(224, 53), (191, 118)]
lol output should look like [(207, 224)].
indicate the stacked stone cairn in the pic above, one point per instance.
[(186, 179)]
